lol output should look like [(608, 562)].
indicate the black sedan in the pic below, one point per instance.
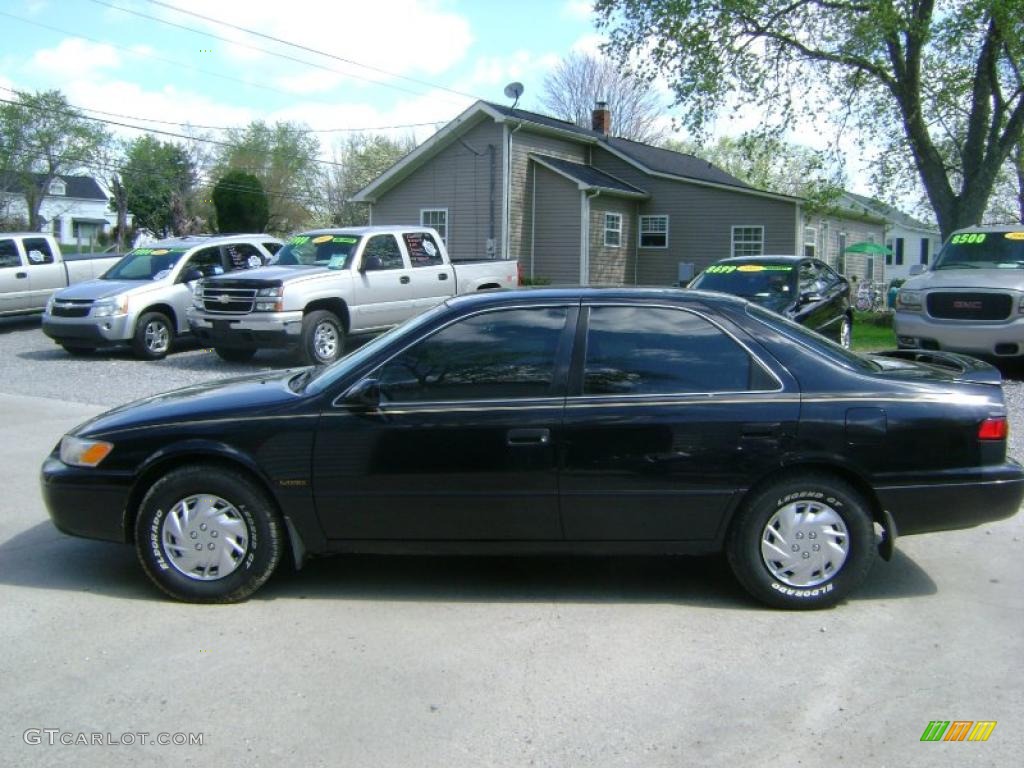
[(543, 421), (805, 290)]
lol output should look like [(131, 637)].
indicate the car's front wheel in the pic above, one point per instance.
[(205, 534), (323, 338), (803, 542), (153, 336)]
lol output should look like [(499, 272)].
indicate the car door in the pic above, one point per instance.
[(45, 273), (668, 417), (462, 445), (433, 281), (14, 284), (382, 285)]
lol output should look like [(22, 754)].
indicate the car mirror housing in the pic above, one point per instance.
[(810, 297), (191, 275), (917, 269), (364, 394)]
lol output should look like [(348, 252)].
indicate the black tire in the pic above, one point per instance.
[(153, 337), (248, 519), (323, 338), (77, 351), (826, 498), (234, 355)]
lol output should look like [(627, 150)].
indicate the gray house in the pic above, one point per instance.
[(575, 205)]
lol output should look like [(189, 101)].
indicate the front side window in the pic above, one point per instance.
[(382, 252), (436, 218), (654, 231), (498, 355), (9, 256), (208, 261), (38, 251), (747, 241), (655, 351), (613, 229)]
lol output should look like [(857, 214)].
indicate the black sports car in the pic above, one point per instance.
[(805, 290), (577, 420)]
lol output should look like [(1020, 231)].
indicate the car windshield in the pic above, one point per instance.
[(145, 264), (771, 285), (982, 250), (815, 341), (334, 251)]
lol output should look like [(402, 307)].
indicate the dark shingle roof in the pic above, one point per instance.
[(588, 175), (653, 158), (84, 187)]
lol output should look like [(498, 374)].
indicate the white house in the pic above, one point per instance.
[(76, 209), (911, 241)]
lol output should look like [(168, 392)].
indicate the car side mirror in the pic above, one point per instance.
[(371, 263), (917, 269), (192, 274), (364, 394), (810, 297)]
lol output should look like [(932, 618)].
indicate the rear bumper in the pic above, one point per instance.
[(85, 502), (916, 330), (275, 330), (984, 496)]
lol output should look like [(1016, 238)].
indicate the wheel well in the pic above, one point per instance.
[(336, 306), (163, 309), (820, 468), (171, 463)]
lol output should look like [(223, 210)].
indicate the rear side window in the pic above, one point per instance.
[(9, 256), (273, 248), (38, 251), (491, 356), (243, 256), (658, 351), (422, 248)]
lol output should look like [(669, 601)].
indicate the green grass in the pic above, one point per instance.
[(872, 332)]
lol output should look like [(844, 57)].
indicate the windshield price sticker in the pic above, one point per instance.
[(321, 239), (968, 238), (156, 252), (1015, 235), (345, 240), (725, 269), (299, 240)]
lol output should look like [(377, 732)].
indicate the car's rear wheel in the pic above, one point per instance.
[(230, 355), (208, 535), (323, 338), (846, 332), (153, 336), (803, 542)]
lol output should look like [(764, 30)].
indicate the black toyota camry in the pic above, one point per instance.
[(572, 421)]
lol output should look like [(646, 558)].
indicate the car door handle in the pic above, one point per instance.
[(404, 279), (21, 275), (528, 437), (443, 276)]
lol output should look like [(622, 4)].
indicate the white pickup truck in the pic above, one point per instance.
[(32, 268), (327, 284)]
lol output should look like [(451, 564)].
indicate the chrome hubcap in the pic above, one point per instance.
[(805, 544), (158, 337), (204, 537), (325, 341)]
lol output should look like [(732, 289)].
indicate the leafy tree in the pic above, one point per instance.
[(359, 159), (904, 69), (158, 177), (42, 137), (580, 80), (241, 203), (284, 157), (767, 161)]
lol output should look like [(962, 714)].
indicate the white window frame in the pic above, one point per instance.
[(617, 230), (58, 187), (759, 228), (641, 233), (813, 242), (447, 222)]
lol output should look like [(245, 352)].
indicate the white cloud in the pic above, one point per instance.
[(578, 9), (589, 44), (493, 72), (75, 57)]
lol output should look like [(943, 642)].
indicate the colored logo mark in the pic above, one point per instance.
[(958, 730)]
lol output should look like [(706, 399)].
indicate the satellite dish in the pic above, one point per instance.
[(514, 91)]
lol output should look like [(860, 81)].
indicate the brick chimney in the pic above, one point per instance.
[(601, 118)]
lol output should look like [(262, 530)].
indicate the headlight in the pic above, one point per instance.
[(277, 291), (909, 300), (110, 307), (77, 452), (197, 299), (269, 306)]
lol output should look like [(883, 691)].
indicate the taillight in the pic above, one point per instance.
[(993, 429)]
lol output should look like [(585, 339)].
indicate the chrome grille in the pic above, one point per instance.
[(954, 305), (228, 301)]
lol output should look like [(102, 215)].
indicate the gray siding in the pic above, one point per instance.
[(610, 265), (556, 216), (829, 228), (457, 178), (523, 143), (700, 220)]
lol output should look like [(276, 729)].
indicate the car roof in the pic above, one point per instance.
[(367, 230), (191, 241), (995, 228), (511, 296), (782, 257)]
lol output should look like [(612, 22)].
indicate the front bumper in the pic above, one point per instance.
[(916, 330), (969, 499), (270, 330), (99, 331), (86, 502)]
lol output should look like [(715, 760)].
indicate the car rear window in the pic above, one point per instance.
[(815, 341)]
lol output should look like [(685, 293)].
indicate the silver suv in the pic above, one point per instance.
[(143, 298), (972, 298)]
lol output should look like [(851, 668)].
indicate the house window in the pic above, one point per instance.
[(888, 256), (925, 247), (57, 187), (747, 241), (654, 231), (57, 225), (899, 250), (613, 229), (841, 256), (436, 218), (810, 242)]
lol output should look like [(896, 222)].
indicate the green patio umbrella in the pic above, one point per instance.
[(868, 247)]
